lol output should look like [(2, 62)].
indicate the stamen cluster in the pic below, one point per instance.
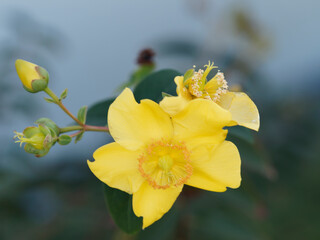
[(165, 164)]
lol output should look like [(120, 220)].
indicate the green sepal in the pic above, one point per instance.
[(82, 114), (44, 129), (31, 149), (188, 74), (50, 124), (31, 131), (64, 94), (28, 89), (64, 139), (78, 137), (38, 153), (48, 141), (39, 85), (43, 73)]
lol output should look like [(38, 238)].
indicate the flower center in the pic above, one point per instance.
[(199, 87), (165, 163), (36, 140)]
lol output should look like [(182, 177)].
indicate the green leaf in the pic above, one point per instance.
[(82, 114), (251, 158), (120, 207), (78, 137), (242, 133), (156, 83), (97, 114), (137, 76), (49, 100), (64, 139), (64, 94)]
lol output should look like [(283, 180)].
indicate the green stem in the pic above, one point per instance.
[(70, 129), (75, 134), (81, 127), (57, 101), (95, 128), (85, 128)]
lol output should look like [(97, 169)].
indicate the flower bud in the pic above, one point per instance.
[(33, 77), (38, 140)]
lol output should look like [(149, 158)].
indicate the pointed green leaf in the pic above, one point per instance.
[(64, 94), (49, 100), (82, 114), (78, 137)]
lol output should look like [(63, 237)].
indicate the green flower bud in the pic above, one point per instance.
[(33, 77), (38, 140)]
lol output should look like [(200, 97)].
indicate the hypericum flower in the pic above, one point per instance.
[(194, 85), (33, 77), (154, 155)]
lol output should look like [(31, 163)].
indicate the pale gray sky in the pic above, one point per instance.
[(105, 36)]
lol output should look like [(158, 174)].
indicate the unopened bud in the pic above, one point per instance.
[(38, 140), (33, 77)]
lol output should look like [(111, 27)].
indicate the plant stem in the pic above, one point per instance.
[(57, 101), (81, 127), (95, 128), (75, 134), (70, 129), (84, 128)]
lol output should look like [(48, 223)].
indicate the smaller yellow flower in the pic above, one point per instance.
[(195, 85), (155, 155), (33, 77)]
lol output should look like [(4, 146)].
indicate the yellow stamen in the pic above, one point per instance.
[(36, 140), (164, 164)]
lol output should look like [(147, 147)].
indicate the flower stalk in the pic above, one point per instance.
[(60, 104)]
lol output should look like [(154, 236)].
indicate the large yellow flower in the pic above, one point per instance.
[(154, 155), (195, 85)]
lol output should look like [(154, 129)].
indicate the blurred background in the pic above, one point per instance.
[(268, 48)]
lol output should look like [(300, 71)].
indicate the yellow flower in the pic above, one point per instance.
[(154, 155), (33, 77), (195, 85)]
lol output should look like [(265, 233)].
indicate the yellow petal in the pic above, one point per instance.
[(217, 168), (201, 122), (134, 125), (173, 105), (243, 110), (152, 204), (117, 167), (181, 89), (26, 72)]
